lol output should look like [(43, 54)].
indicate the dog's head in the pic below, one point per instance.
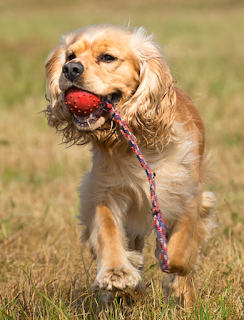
[(121, 67)]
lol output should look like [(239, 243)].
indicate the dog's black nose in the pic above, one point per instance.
[(73, 70)]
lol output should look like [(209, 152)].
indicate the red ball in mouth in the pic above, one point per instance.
[(80, 102)]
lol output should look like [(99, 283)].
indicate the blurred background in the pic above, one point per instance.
[(39, 237)]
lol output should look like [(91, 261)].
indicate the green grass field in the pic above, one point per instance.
[(45, 272)]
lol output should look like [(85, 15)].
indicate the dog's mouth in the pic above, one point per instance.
[(88, 110)]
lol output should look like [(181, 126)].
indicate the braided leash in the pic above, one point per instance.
[(159, 222)]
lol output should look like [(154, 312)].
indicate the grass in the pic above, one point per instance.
[(45, 272)]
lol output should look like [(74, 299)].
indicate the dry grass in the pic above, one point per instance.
[(45, 272)]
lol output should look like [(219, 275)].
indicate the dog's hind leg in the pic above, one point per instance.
[(187, 238), (181, 288)]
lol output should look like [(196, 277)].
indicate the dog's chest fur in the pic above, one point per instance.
[(122, 183)]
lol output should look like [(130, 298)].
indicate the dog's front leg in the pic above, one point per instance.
[(114, 270)]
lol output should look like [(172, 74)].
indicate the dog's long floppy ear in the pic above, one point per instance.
[(53, 68), (154, 99)]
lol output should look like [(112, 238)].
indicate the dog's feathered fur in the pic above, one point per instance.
[(115, 200)]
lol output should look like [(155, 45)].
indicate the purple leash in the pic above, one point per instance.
[(159, 222)]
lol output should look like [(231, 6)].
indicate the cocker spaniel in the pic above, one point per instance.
[(127, 69)]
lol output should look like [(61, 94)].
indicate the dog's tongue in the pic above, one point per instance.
[(81, 103)]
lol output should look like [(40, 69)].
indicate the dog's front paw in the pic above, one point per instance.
[(118, 278), (127, 296)]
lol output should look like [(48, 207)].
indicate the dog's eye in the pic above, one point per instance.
[(107, 58), (71, 56)]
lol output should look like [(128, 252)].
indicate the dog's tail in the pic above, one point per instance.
[(206, 211), (208, 204)]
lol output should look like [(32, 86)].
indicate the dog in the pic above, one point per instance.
[(126, 68)]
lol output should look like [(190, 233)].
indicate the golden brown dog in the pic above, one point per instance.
[(127, 69)]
